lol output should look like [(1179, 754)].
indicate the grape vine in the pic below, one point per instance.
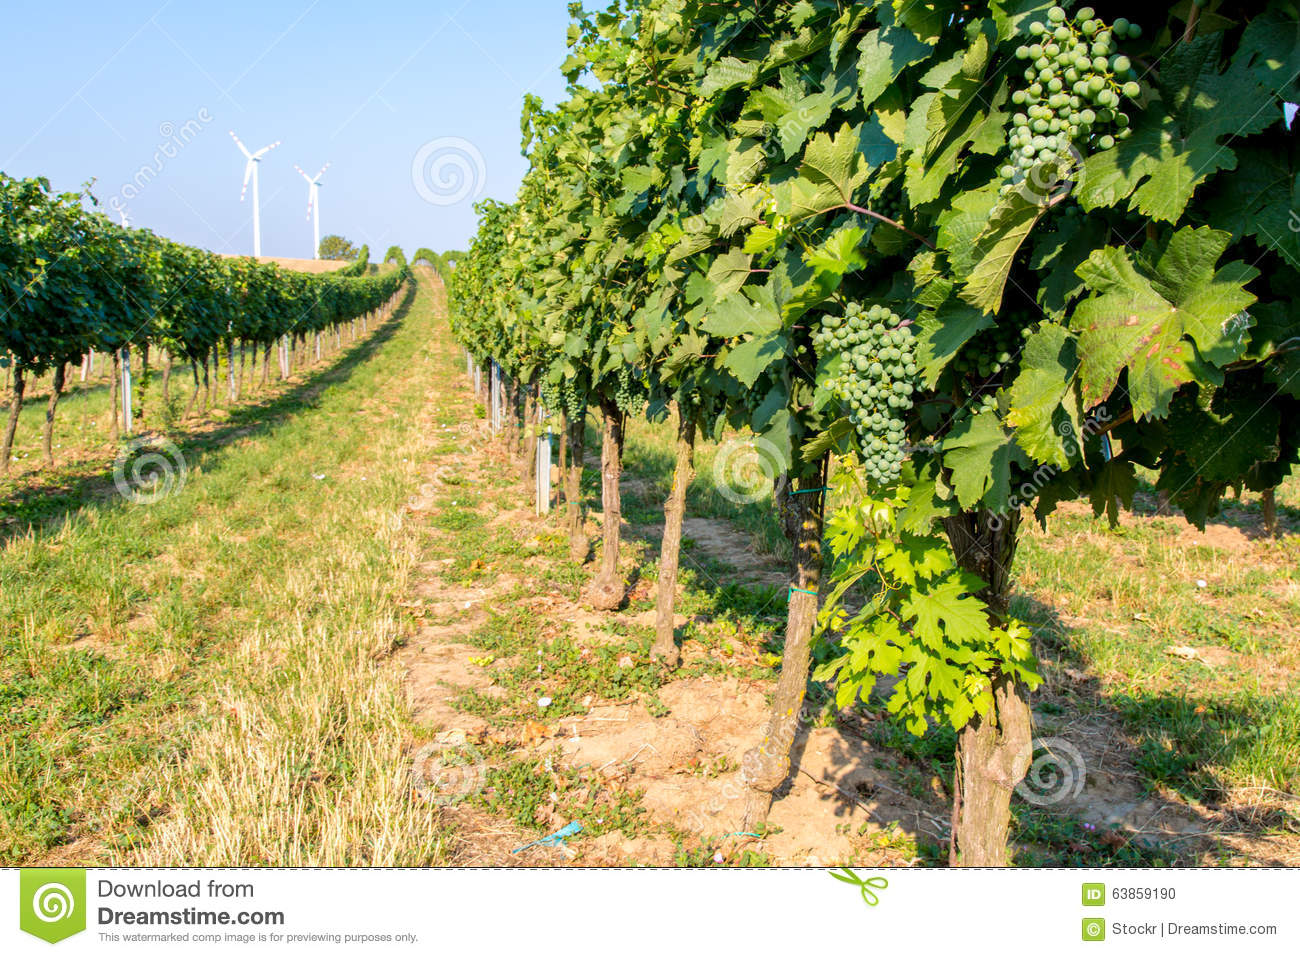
[(1067, 225)]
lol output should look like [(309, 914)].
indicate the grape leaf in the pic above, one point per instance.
[(946, 608), (961, 225), (1113, 484), (1260, 199), (728, 273), (726, 74), (736, 315), (1169, 156), (747, 360), (1270, 45), (941, 334), (980, 453), (885, 53), (1142, 319), (1043, 412), (996, 248), (832, 169)]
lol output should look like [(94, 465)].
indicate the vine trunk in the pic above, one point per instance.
[(766, 766), (15, 408), (994, 750), (607, 590), (579, 546), (47, 433), (665, 644)]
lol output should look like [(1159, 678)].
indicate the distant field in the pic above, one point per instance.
[(305, 265)]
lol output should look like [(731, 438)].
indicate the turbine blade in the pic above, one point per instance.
[(302, 172), (322, 171), (242, 148), (248, 174)]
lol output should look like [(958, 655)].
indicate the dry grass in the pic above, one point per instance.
[(210, 680)]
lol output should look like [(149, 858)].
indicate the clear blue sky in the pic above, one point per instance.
[(95, 90)]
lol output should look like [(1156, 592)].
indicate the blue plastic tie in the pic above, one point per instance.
[(553, 840)]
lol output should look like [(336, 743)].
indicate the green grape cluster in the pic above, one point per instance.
[(1075, 79), (573, 399), (889, 202), (629, 394), (551, 396), (877, 380), (994, 351)]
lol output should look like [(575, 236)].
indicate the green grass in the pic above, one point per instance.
[(205, 679), (181, 682), (1205, 726), (523, 789)]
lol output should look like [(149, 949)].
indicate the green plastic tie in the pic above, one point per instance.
[(804, 590), (808, 491)]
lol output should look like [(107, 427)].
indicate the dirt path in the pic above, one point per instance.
[(542, 712), (661, 760)]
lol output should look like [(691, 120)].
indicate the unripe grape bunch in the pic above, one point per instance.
[(1075, 81), (889, 202), (629, 394), (877, 379), (573, 399), (989, 361), (551, 396)]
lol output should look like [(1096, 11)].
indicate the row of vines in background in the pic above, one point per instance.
[(441, 263), (73, 283), (952, 262)]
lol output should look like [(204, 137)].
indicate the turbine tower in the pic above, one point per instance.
[(313, 204), (250, 170)]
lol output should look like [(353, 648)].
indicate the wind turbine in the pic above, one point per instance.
[(250, 170), (313, 204)]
